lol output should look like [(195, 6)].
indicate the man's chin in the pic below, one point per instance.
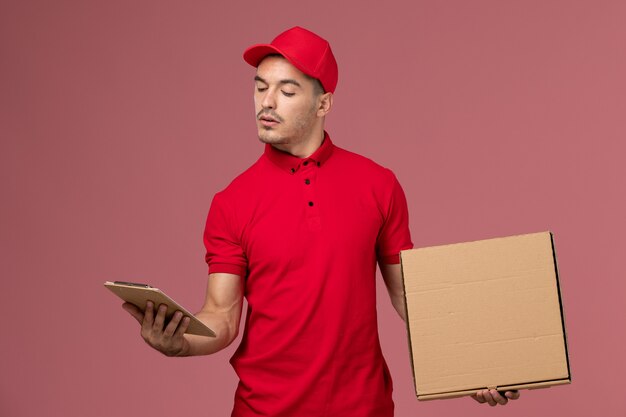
[(271, 139)]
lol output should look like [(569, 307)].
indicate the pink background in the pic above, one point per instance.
[(121, 119)]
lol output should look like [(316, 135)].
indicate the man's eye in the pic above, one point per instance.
[(288, 94), (261, 89)]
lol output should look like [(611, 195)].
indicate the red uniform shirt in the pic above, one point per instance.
[(306, 234)]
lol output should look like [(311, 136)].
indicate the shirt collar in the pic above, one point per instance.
[(291, 163)]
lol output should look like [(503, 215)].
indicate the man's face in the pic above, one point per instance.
[(286, 102)]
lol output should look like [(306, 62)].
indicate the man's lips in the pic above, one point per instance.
[(268, 116), (268, 121)]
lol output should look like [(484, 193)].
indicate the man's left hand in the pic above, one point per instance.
[(493, 397)]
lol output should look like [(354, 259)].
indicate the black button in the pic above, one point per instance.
[(307, 181), (305, 163), (318, 164), (310, 204), (293, 170)]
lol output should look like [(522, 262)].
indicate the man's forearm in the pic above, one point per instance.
[(221, 313), (392, 275), (225, 330), (397, 300)]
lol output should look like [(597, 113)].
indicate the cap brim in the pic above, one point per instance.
[(255, 54)]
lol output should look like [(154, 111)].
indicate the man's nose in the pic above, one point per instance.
[(269, 100)]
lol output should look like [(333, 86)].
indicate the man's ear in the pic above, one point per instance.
[(325, 104)]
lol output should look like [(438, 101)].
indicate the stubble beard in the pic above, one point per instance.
[(297, 133), (302, 126), (268, 135)]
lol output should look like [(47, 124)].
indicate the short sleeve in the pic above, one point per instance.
[(394, 235), (224, 252)]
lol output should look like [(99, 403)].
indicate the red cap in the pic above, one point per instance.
[(307, 51)]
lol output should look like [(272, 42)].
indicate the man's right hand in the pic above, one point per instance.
[(167, 338)]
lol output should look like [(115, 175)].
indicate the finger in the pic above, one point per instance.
[(497, 397), (512, 395), (148, 316), (184, 324), (134, 311), (489, 398), (173, 324), (478, 396), (159, 319)]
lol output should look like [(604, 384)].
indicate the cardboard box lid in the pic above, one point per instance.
[(485, 314)]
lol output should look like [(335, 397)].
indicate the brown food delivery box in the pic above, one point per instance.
[(485, 314)]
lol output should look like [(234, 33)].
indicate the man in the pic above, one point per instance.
[(299, 234)]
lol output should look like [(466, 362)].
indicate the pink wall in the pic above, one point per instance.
[(120, 120)]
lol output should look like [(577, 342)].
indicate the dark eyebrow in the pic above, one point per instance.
[(286, 81), (290, 81)]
